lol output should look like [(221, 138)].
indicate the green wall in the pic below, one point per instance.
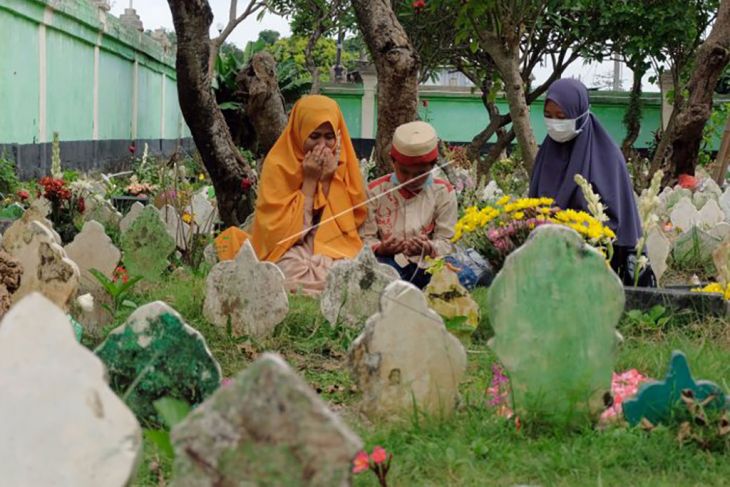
[(19, 79), (458, 116), (68, 67)]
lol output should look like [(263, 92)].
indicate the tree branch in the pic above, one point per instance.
[(233, 22)]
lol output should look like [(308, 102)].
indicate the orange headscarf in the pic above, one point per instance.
[(279, 219)]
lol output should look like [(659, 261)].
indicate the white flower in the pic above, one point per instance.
[(86, 302)]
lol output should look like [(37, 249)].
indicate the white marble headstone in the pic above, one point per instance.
[(46, 268), (61, 423), (248, 292), (93, 249), (406, 355), (684, 215), (658, 248)]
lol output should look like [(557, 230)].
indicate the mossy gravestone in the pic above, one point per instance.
[(554, 307), (60, 423), (353, 289), (405, 359), (657, 401), (246, 293), (155, 355), (267, 427), (147, 245)]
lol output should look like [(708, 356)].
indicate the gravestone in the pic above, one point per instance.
[(724, 202), (36, 212), (203, 212), (404, 356), (134, 211), (446, 296), (554, 307), (93, 249), (61, 423), (102, 211), (10, 273), (709, 191), (146, 246), (721, 259), (46, 269), (684, 215), (721, 231), (176, 227), (658, 248), (671, 196), (353, 288), (164, 355), (711, 214), (694, 248), (210, 255), (656, 401), (267, 427), (249, 293)]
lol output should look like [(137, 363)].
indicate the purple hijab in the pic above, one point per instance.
[(594, 155)]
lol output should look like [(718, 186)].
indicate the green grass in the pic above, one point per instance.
[(475, 446)]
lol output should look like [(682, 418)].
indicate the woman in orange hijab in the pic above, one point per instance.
[(311, 199)]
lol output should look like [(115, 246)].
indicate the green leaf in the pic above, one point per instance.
[(457, 323), (635, 314), (161, 439), (129, 304), (107, 283), (230, 105), (171, 410), (125, 286)]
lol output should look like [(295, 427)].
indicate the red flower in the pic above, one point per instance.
[(132, 148), (361, 462), (687, 181), (23, 195), (425, 103), (379, 455), (246, 183), (81, 205), (120, 273), (419, 4)]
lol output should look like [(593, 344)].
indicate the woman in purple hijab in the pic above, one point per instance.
[(578, 144)]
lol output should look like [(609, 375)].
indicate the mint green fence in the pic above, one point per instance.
[(68, 67)]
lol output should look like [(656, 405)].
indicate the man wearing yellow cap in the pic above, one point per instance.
[(411, 214)]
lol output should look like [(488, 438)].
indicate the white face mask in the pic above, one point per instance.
[(564, 130)]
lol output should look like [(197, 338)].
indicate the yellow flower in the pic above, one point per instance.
[(519, 215), (187, 217), (504, 200), (715, 288), (201, 176)]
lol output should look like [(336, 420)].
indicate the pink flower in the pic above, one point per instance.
[(361, 462), (379, 455), (623, 386), (246, 184), (227, 381)]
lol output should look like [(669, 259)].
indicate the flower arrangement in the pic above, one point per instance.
[(715, 287), (65, 206), (137, 188), (378, 461), (496, 230)]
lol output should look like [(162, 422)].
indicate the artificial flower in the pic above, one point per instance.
[(379, 455), (361, 462)]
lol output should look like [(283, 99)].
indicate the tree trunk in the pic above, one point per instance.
[(632, 119), (227, 169), (484, 164), (309, 62), (508, 65), (495, 118), (396, 63), (712, 57), (259, 93)]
